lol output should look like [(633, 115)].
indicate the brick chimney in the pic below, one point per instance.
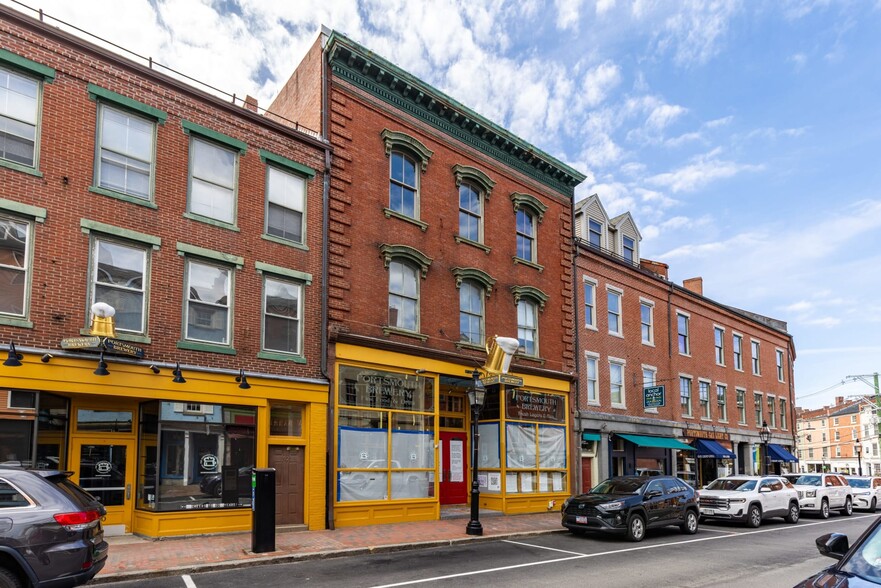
[(656, 267), (696, 285), (251, 103)]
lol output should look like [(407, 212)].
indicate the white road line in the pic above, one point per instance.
[(732, 535), (543, 547), (704, 528), (188, 581)]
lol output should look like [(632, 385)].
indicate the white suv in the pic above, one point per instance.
[(820, 493), (749, 499)]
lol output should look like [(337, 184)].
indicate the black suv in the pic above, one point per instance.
[(630, 505), (50, 530)]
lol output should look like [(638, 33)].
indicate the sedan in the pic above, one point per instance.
[(866, 492), (629, 505), (858, 565)]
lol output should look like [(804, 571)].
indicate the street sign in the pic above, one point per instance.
[(80, 342), (653, 396)]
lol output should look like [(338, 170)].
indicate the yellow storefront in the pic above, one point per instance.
[(402, 446), (169, 452)]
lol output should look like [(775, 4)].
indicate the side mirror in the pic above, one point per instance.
[(765, 489), (833, 545), (652, 494)]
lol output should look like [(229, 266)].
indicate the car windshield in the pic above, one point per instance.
[(624, 486), (865, 560), (858, 482), (806, 480), (736, 484)]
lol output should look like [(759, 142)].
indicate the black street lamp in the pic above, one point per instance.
[(476, 397), (859, 450), (765, 436)]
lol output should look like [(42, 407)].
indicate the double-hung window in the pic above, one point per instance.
[(403, 300), (629, 246), (595, 233), (704, 394), (209, 295), (590, 304), (772, 412), (741, 405), (616, 382), (649, 374), (16, 245), (592, 378), (722, 402), (470, 213), (780, 373), (525, 235), (757, 366), (283, 314), (613, 301), (646, 319), (125, 152), (527, 326), (19, 113), (213, 181), (471, 313), (403, 185), (757, 400), (782, 413), (119, 278), (737, 344), (285, 204), (685, 395), (719, 344), (682, 330)]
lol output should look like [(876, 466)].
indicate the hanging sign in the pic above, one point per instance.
[(653, 396)]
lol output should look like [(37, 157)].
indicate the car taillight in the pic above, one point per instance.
[(77, 521)]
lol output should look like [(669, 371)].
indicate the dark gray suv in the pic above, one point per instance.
[(50, 530)]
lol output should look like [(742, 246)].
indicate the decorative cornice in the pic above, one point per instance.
[(394, 139), (389, 252), (530, 292), (364, 69), (472, 273), (466, 173), (529, 201)]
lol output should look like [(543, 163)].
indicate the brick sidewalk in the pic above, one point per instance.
[(131, 557)]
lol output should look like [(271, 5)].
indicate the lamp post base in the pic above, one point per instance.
[(474, 528)]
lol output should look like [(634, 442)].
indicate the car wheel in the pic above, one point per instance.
[(848, 507), (754, 516), (873, 506), (636, 528), (9, 580), (689, 527), (794, 512), (824, 509)]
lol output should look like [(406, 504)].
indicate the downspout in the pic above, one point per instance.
[(579, 482), (325, 247)]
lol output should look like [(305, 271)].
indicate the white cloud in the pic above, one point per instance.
[(598, 82), (703, 170), (800, 306), (663, 115), (567, 13), (604, 6), (696, 31)]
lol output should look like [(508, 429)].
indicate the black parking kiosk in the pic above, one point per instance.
[(263, 510)]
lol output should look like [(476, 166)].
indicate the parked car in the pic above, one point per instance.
[(858, 566), (749, 499), (648, 472), (629, 505), (866, 491), (51, 532), (820, 493), (212, 484)]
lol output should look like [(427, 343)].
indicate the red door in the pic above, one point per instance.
[(454, 468)]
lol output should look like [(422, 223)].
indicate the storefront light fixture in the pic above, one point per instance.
[(178, 375), (14, 358), (242, 380), (101, 370), (154, 369), (46, 357)]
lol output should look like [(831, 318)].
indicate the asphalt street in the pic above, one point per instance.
[(775, 555)]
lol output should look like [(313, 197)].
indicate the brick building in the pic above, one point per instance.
[(198, 221), (669, 379), (828, 437), (444, 230)]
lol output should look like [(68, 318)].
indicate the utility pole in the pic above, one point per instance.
[(864, 379)]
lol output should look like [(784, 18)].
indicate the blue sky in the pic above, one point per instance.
[(743, 136)]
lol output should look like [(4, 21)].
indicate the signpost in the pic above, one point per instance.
[(653, 396)]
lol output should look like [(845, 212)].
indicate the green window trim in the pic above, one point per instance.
[(464, 241), (389, 213), (207, 347), (97, 92), (528, 263), (122, 196), (404, 333), (23, 63), (87, 226), (532, 293), (22, 168), (197, 129), (184, 249), (411, 254), (530, 202), (299, 168), (472, 273), (304, 277), (466, 173), (11, 321), (276, 356), (37, 213), (398, 140)]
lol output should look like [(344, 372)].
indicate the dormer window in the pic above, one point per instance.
[(595, 233), (629, 251)]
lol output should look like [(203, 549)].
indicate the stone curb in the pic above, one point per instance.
[(295, 557)]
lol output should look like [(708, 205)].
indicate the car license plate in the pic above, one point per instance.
[(581, 520), (707, 511)]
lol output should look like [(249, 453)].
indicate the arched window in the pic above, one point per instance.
[(470, 213), (403, 185)]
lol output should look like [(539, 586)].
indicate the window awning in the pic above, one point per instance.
[(708, 448), (779, 454), (665, 442), (590, 436)]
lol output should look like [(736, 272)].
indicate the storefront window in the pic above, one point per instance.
[(53, 416), (388, 420), (103, 421), (195, 456), (286, 420)]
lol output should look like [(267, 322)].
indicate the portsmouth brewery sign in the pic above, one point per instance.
[(102, 335)]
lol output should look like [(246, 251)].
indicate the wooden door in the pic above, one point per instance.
[(586, 475), (289, 463), (454, 478)]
